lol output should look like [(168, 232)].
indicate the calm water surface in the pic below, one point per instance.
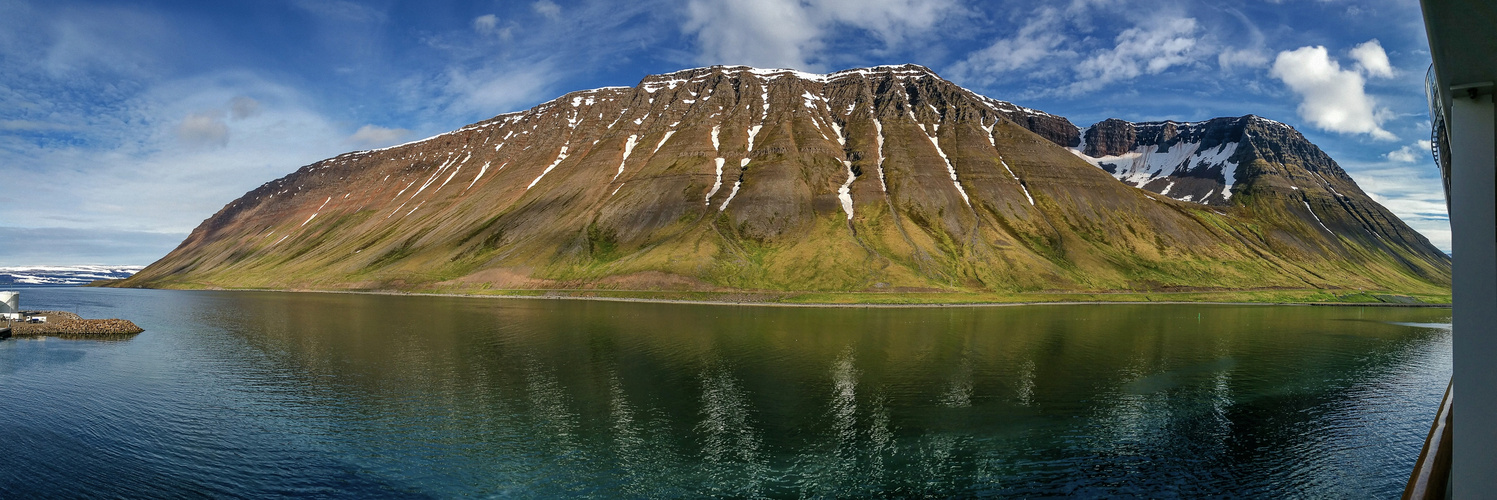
[(255, 394)]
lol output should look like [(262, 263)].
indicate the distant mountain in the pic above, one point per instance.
[(886, 178), (1269, 164), (62, 275)]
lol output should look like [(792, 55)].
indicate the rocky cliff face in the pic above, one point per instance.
[(728, 178), (1194, 162), (1110, 137), (1272, 164)]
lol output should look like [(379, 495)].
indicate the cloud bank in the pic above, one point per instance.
[(69, 246), (1058, 50), (373, 136), (1150, 48), (793, 33), (1333, 98), (1411, 154)]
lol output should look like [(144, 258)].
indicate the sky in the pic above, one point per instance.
[(123, 125)]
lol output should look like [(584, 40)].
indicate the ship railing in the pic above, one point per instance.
[(1439, 129), (1431, 477)]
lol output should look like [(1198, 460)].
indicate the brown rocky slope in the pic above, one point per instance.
[(734, 178)]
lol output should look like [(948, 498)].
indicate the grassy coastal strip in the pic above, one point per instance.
[(934, 298), (1319, 297)]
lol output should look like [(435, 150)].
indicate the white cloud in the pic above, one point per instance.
[(1250, 56), (1331, 98), (1039, 39), (490, 90), (1402, 155), (766, 33), (791, 33), (1241, 58), (488, 24), (169, 161), (1372, 60), (1087, 7), (1144, 49), (890, 20), (1410, 154), (547, 8), (1060, 51), (120, 125), (376, 136), (204, 129), (485, 23)]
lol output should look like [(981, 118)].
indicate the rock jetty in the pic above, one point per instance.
[(63, 324)]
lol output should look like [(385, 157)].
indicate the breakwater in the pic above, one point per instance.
[(63, 323)]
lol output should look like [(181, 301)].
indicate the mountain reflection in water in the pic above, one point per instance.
[(254, 393)]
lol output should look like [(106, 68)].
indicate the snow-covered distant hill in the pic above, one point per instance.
[(62, 275)]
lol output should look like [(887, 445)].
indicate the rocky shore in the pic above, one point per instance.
[(62, 323)]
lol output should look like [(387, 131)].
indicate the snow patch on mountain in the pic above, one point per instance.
[(481, 170), (667, 137), (950, 169), (753, 131), (1016, 179), (718, 184), (736, 184), (879, 144), (559, 157), (1147, 163), (1317, 218), (628, 148), (844, 193)]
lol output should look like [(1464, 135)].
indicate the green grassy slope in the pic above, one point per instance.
[(497, 207)]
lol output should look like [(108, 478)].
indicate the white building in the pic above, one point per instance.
[(10, 305)]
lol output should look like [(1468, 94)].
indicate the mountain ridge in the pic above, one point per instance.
[(737, 178)]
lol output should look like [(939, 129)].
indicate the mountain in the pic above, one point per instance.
[(62, 275), (876, 179)]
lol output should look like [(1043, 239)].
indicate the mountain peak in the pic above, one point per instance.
[(900, 70), (740, 178), (1194, 161)]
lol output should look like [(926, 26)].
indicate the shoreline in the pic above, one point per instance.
[(865, 305)]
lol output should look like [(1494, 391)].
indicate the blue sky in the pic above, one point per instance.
[(125, 124)]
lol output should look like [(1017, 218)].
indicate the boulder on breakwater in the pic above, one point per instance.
[(62, 323)]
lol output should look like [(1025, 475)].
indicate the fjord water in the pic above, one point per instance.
[(259, 393)]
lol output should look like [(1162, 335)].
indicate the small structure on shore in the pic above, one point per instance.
[(10, 306), (20, 323), (66, 324)]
